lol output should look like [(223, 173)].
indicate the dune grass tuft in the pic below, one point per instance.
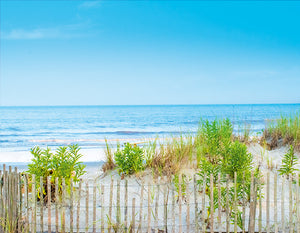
[(283, 131)]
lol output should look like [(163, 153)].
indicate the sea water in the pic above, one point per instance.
[(21, 128)]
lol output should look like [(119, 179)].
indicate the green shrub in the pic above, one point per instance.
[(237, 159), (217, 152), (63, 163), (289, 161), (130, 159)]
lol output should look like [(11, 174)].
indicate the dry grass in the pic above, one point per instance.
[(172, 155), (109, 164)]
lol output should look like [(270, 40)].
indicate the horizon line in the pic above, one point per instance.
[(137, 105)]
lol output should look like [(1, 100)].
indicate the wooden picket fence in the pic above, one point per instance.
[(127, 206)]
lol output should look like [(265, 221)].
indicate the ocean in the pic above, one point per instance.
[(22, 128)]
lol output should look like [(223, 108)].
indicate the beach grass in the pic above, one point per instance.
[(283, 131)]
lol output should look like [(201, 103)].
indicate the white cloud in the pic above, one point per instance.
[(64, 32), (90, 4)]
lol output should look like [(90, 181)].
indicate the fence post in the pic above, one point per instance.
[(290, 205), (71, 205), (275, 203), (56, 204), (196, 204), (297, 202), (219, 203), (179, 202), (156, 208), (110, 203), (42, 203), (252, 213), (33, 191), (78, 206), (87, 207), (282, 203), (102, 208), (187, 195), (211, 203), (133, 216), (166, 207), (235, 202), (173, 210), (268, 202), (260, 208), (227, 204), (49, 203), (63, 210), (126, 206), (118, 203), (149, 209), (141, 206), (203, 204), (94, 205)]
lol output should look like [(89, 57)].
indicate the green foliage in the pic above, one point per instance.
[(213, 138), (288, 163), (237, 159), (130, 159), (63, 163), (218, 153)]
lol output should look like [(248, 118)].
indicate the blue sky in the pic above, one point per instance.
[(149, 52)]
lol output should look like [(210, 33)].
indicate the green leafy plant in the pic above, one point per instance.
[(130, 159), (289, 162), (63, 163), (219, 153)]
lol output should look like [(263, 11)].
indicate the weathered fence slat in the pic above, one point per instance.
[(42, 203), (110, 203), (141, 207), (211, 203), (235, 202), (297, 203), (94, 205), (87, 193), (282, 204), (126, 206), (203, 204), (291, 225), (63, 210), (268, 202), (71, 205), (179, 203), (149, 209), (56, 204), (49, 202), (187, 195), (33, 203), (118, 204), (78, 206), (252, 207), (156, 208), (219, 204), (275, 203), (166, 208), (102, 208), (133, 216), (196, 203), (227, 205)]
